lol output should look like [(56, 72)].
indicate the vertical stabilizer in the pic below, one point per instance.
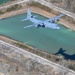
[(29, 15)]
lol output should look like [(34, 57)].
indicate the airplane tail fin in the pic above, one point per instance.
[(29, 15), (60, 51)]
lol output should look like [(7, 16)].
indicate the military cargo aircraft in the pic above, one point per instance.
[(49, 23)]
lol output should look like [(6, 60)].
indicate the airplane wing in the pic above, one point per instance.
[(54, 18), (24, 19), (29, 26)]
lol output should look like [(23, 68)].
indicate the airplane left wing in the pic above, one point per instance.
[(54, 18), (24, 19), (29, 26)]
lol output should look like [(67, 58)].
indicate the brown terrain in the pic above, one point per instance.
[(19, 69)]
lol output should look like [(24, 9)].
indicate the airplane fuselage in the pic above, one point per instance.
[(39, 23), (35, 20)]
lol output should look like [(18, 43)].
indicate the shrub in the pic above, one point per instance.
[(72, 67), (48, 56), (1, 12), (21, 45), (14, 7)]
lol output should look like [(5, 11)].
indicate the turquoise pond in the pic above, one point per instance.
[(3, 1), (45, 39)]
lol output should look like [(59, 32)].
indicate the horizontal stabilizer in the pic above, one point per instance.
[(28, 26), (35, 16)]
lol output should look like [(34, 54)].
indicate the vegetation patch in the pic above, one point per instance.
[(11, 8), (1, 12), (72, 67), (21, 45), (71, 20), (33, 50)]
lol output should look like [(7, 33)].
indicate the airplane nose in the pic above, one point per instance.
[(58, 27)]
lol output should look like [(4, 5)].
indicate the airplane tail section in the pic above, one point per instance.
[(60, 51), (29, 15)]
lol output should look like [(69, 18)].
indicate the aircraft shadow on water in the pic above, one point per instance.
[(65, 55), (49, 23)]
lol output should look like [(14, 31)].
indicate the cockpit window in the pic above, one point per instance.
[(42, 23)]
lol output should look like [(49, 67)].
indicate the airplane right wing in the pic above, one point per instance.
[(54, 18)]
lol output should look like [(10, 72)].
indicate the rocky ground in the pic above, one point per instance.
[(16, 61)]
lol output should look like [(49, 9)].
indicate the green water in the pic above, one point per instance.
[(45, 39), (3, 1)]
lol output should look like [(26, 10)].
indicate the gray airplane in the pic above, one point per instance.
[(49, 23)]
